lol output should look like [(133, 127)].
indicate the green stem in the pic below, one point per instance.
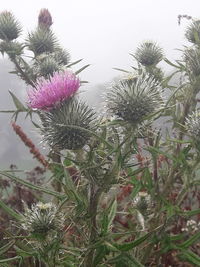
[(93, 205), (24, 76), (57, 160)]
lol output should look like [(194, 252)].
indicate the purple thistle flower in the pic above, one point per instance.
[(50, 92)]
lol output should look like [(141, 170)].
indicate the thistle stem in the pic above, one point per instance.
[(93, 205), (24, 76)]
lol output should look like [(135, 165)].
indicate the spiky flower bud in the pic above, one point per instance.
[(44, 18), (193, 125), (149, 54), (50, 92), (9, 26), (43, 219), (61, 56), (48, 67), (11, 48), (143, 202), (65, 126), (192, 60), (41, 41), (135, 98), (193, 32)]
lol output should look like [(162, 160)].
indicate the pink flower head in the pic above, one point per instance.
[(50, 92)]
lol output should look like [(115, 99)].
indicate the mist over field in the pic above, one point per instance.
[(103, 33)]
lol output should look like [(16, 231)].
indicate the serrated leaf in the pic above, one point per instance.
[(131, 245), (171, 64), (190, 256), (32, 186), (109, 216), (154, 150), (9, 211), (191, 212), (99, 255), (191, 241), (10, 259), (126, 260), (17, 102), (6, 247)]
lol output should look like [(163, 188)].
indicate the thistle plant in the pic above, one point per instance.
[(10, 28), (135, 98), (43, 220), (125, 185), (191, 57), (149, 54), (193, 32), (68, 125), (193, 125)]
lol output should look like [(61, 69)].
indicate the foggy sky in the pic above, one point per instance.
[(104, 32)]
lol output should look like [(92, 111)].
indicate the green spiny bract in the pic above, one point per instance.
[(61, 56), (135, 98), (42, 40), (9, 26), (48, 66), (193, 125), (192, 60), (193, 32), (65, 126), (143, 203), (42, 219), (12, 48), (149, 54)]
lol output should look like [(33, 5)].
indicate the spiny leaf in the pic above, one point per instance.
[(17, 102), (131, 245), (32, 186), (6, 247), (9, 211), (190, 257), (190, 241)]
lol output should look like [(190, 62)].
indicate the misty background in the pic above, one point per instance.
[(102, 33)]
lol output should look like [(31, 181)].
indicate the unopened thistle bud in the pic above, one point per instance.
[(43, 219), (44, 18), (48, 67), (193, 125), (149, 54), (193, 32), (9, 26), (192, 60), (66, 125), (135, 98), (142, 202), (11, 48), (61, 56), (42, 40)]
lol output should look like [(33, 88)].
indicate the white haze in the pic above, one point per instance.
[(103, 33)]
